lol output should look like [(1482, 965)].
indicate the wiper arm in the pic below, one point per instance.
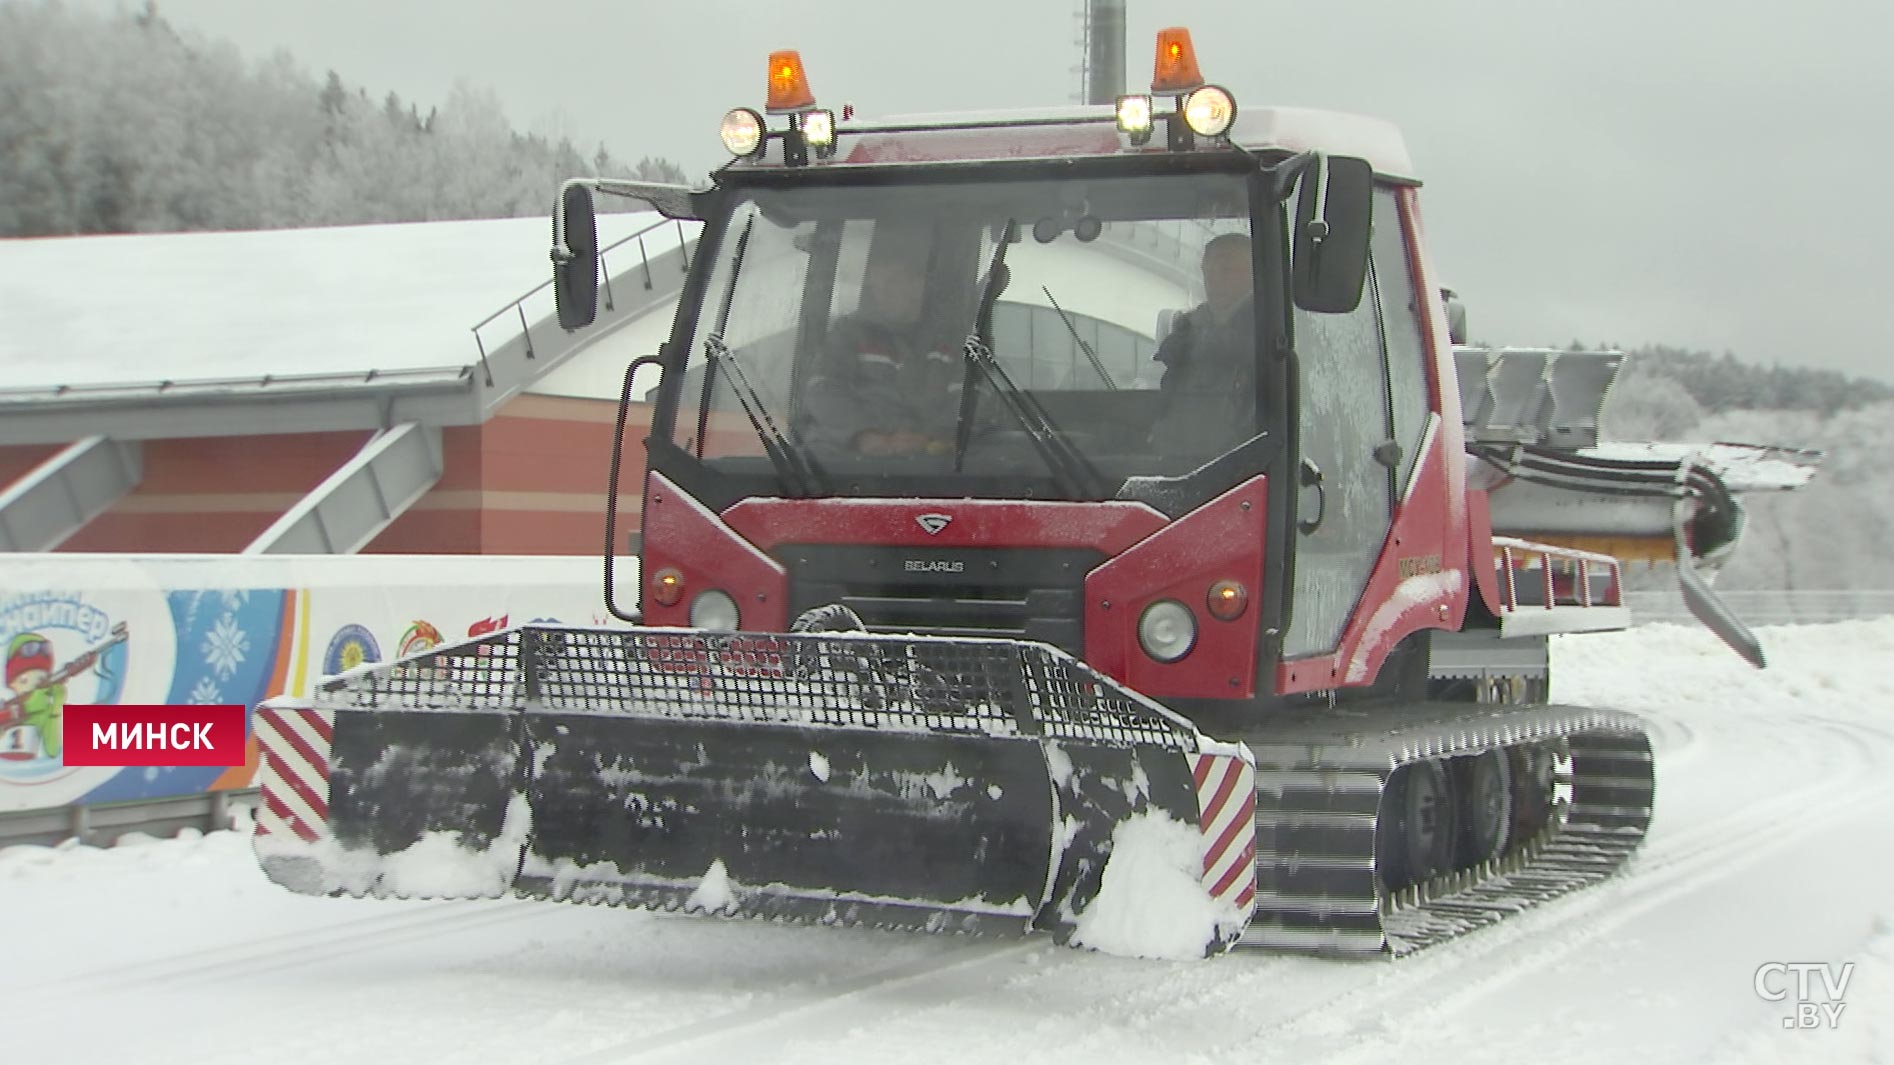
[(1075, 475), (792, 464), (1080, 341)]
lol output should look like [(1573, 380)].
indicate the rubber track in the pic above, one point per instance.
[(1320, 778)]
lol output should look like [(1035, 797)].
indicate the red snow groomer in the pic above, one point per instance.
[(1077, 521)]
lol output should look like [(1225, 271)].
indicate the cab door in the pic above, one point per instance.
[(1359, 436)]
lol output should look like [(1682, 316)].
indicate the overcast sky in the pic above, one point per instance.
[(1703, 173)]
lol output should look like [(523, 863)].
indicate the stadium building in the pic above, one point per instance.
[(394, 389)]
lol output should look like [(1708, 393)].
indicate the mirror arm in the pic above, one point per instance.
[(635, 616)]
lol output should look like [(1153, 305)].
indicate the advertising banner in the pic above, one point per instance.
[(219, 630)]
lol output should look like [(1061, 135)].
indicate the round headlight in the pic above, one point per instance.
[(1209, 111), (742, 131), (1166, 630), (715, 611)]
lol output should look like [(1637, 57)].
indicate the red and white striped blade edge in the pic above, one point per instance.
[(295, 745), (1226, 805)]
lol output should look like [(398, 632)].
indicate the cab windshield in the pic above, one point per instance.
[(849, 329)]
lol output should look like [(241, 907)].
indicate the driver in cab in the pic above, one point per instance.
[(883, 389)]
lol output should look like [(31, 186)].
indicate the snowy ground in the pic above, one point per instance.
[(1771, 845)]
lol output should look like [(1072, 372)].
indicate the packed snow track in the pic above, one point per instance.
[(1774, 794)]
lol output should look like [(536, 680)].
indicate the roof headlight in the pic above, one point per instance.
[(1134, 118), (818, 130), (742, 131), (1209, 111)]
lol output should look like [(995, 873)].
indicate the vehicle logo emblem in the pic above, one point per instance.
[(933, 523)]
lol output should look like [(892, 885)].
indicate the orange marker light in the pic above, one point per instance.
[(667, 586), (1175, 71), (788, 84), (1227, 600)]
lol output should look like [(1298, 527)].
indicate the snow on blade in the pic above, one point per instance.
[(944, 783), (1153, 903), (439, 865), (714, 895)]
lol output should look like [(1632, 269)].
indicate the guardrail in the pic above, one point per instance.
[(518, 306), (1769, 607), (103, 824)]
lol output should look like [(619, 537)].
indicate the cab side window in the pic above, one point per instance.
[(1394, 290)]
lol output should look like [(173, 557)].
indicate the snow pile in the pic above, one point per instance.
[(1683, 671), (1153, 903)]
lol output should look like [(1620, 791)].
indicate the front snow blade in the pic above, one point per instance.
[(926, 783)]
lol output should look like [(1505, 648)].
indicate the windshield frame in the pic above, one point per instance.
[(727, 486)]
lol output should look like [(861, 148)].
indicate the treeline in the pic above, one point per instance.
[(121, 124), (1722, 383)]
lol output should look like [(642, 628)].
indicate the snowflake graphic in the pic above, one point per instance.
[(235, 598), (224, 648), (206, 693)]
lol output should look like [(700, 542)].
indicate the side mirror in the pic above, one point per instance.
[(575, 257), (1333, 212)]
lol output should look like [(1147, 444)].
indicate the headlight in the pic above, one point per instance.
[(1134, 117), (1209, 111), (1166, 630), (742, 131), (818, 130), (715, 611)]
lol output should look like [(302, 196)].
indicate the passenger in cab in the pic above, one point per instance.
[(1209, 359)]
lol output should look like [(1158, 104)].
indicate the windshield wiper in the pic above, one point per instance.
[(1075, 475), (1080, 341), (797, 469)]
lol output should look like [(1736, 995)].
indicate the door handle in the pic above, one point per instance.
[(1312, 478)]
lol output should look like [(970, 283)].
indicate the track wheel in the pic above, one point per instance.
[(1532, 775), (1416, 833), (1485, 786)]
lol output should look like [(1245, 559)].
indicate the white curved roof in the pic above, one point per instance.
[(124, 309)]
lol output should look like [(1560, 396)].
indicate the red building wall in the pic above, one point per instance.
[(214, 494), (17, 461), (530, 481)]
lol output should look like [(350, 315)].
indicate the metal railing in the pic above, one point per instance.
[(518, 306), (319, 381), (102, 824), (1542, 575)]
